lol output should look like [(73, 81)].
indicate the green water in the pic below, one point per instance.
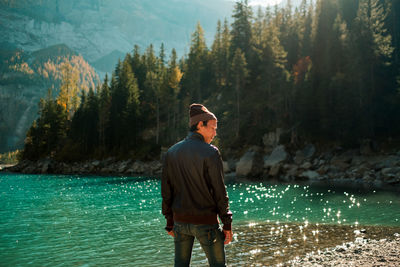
[(116, 221)]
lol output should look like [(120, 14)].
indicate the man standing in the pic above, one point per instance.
[(194, 193)]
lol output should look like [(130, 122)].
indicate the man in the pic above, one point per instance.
[(194, 193)]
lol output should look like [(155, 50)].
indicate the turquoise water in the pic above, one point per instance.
[(116, 221)]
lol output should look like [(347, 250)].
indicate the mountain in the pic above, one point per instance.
[(39, 36), (25, 78), (97, 28)]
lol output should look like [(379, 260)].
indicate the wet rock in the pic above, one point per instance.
[(292, 170), (96, 163), (274, 171), (277, 156), (311, 175), (245, 164), (154, 167), (250, 164), (230, 177)]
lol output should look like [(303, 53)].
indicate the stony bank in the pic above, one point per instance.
[(272, 162)]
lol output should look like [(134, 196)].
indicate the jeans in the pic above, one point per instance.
[(211, 239)]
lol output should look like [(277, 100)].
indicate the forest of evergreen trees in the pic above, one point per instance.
[(324, 72)]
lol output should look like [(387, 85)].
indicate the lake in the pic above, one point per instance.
[(60, 220)]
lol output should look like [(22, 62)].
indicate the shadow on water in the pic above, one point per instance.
[(266, 244)]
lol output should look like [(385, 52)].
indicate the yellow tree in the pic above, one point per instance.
[(68, 96)]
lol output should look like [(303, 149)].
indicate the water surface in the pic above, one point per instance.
[(50, 220)]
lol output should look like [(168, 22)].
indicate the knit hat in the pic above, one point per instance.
[(198, 113)]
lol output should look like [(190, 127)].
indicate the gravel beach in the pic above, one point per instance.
[(362, 252)]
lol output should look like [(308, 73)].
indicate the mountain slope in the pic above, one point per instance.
[(24, 79)]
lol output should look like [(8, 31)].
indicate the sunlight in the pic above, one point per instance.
[(264, 2)]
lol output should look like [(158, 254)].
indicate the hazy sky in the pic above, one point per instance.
[(264, 2)]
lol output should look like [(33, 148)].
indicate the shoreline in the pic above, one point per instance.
[(361, 252), (346, 169)]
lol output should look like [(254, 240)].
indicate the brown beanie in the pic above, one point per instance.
[(198, 113)]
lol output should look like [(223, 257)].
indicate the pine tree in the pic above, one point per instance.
[(240, 74)]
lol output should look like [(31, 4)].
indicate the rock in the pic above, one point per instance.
[(245, 164), (226, 167), (311, 175), (340, 249), (389, 171), (230, 177), (232, 165), (274, 171), (250, 164), (393, 180), (271, 139), (309, 151), (388, 162), (299, 157), (278, 155), (45, 166), (306, 165), (292, 170), (122, 166), (323, 170), (154, 167), (96, 163), (366, 147)]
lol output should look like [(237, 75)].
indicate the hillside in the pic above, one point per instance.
[(99, 29), (25, 78), (92, 33)]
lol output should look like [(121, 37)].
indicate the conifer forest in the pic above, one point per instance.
[(327, 71)]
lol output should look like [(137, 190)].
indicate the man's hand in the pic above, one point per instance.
[(228, 236), (171, 233)]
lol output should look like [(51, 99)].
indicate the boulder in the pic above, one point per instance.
[(155, 167), (277, 156), (311, 175), (245, 164), (138, 167), (305, 154), (45, 166), (250, 164), (227, 169), (96, 163), (292, 170), (299, 157), (274, 171), (306, 165), (230, 177)]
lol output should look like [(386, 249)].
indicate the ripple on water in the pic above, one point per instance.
[(110, 221)]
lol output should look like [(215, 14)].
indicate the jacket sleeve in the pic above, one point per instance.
[(216, 175), (167, 196)]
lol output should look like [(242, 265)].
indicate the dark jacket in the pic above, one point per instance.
[(192, 186)]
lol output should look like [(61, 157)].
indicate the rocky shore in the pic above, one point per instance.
[(270, 162), (361, 252)]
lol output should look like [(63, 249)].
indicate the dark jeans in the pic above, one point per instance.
[(211, 239)]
